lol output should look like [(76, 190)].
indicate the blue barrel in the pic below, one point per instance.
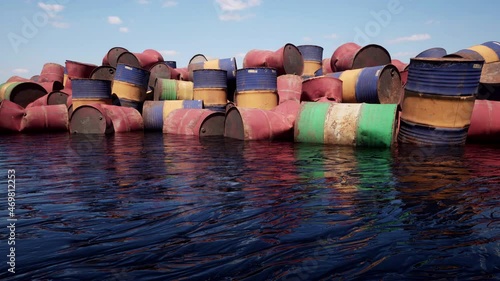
[(230, 66), (466, 54), (318, 72), (256, 78), (367, 84), (432, 53), (311, 52), (91, 88), (494, 45), (152, 113), (445, 76), (216, 108), (209, 78), (133, 75), (411, 133), (171, 63), (335, 74)]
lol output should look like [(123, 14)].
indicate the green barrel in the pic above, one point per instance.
[(310, 123), (166, 89), (376, 125)]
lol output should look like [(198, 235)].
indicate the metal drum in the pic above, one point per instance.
[(330, 88), (46, 118), (11, 115), (144, 60), (159, 70), (194, 122), (289, 87), (90, 91), (432, 53), (155, 112), (22, 93), (124, 119), (52, 72), (256, 88), (286, 60), (484, 123), (170, 89), (103, 73), (210, 85), (75, 69), (352, 56), (313, 58), (53, 98), (90, 119), (111, 57), (130, 85)]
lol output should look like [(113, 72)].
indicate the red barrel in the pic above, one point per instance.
[(194, 122), (326, 66), (52, 72), (51, 86), (45, 118), (144, 60), (124, 119), (52, 98), (329, 88), (286, 60), (22, 93), (485, 124), (111, 57), (75, 69), (11, 115), (290, 109), (401, 66), (18, 79), (352, 56), (289, 87), (90, 119)]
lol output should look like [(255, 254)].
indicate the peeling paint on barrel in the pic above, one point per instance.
[(289, 87), (45, 118), (318, 87), (11, 115), (352, 56), (52, 72), (194, 122), (124, 119)]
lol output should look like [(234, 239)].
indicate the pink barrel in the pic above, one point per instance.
[(51, 86), (144, 60), (352, 56), (286, 60), (326, 66), (18, 79), (289, 87), (124, 119), (111, 57), (316, 88), (11, 115), (401, 66), (52, 72), (45, 118), (485, 124), (194, 122), (290, 109), (77, 69), (53, 98)]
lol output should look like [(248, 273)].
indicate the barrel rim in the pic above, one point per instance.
[(197, 55), (432, 49), (81, 63), (447, 59), (368, 46), (259, 68)]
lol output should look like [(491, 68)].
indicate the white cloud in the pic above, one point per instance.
[(234, 17), (412, 38), (20, 70), (237, 5), (51, 9), (143, 2), (169, 3), (59, 24), (331, 36), (307, 39), (123, 29), (169, 53), (114, 20)]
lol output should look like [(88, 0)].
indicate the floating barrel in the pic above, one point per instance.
[(289, 87), (411, 133), (327, 87), (11, 115), (45, 118), (256, 88), (144, 60), (444, 76), (124, 119), (194, 122), (170, 89), (103, 73), (90, 119), (111, 57), (52, 72), (346, 124), (313, 57), (130, 85), (377, 84), (90, 91), (154, 112), (210, 85), (53, 98), (286, 60), (484, 123), (159, 70), (352, 56), (432, 53), (22, 93), (257, 124)]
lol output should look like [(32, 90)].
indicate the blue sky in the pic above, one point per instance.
[(35, 32)]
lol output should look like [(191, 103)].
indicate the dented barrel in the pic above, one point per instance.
[(75, 69), (154, 112), (289, 87), (210, 85), (144, 60), (90, 119), (130, 85), (46, 118), (11, 115), (90, 91), (124, 119), (21, 93), (286, 60), (316, 88), (353, 56), (256, 88), (194, 122), (52, 72)]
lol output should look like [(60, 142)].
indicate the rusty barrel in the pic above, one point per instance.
[(436, 52), (130, 85), (360, 124), (313, 58), (90, 119), (22, 93), (488, 51), (326, 67), (111, 57), (401, 66), (313, 89), (53, 98), (16, 78), (376, 84), (289, 87), (144, 60), (90, 91), (210, 85), (179, 73), (194, 122), (52, 72), (484, 124), (46, 118), (170, 89), (11, 116), (159, 70), (155, 112), (257, 124), (352, 56), (124, 119), (103, 73), (286, 60), (257, 88), (51, 86), (439, 100), (75, 69)]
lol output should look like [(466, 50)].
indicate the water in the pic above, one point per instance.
[(154, 207)]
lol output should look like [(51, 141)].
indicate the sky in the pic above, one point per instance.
[(37, 32)]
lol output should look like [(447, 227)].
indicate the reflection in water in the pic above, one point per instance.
[(165, 207)]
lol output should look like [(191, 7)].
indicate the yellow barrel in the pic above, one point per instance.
[(211, 96), (487, 53), (310, 67), (349, 79), (266, 100), (257, 88)]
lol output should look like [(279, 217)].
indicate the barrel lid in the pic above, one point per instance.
[(103, 73), (57, 97), (233, 125), (90, 119), (113, 55), (371, 55), (389, 86), (213, 125), (293, 62), (128, 58), (197, 58)]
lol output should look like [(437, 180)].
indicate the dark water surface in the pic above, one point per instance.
[(154, 207)]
